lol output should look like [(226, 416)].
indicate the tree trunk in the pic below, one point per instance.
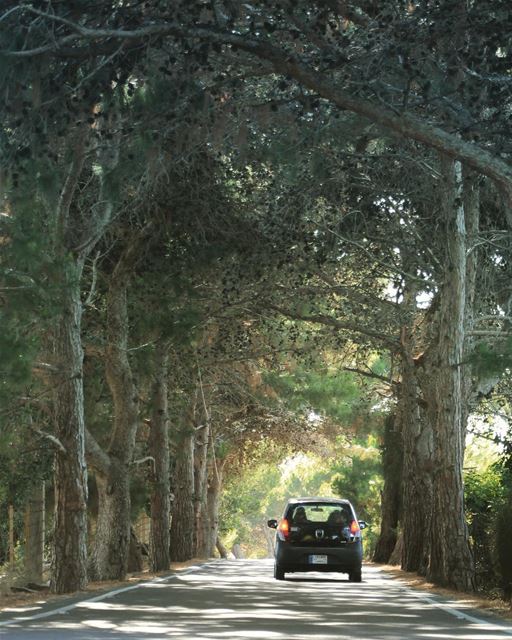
[(396, 557), (135, 560), (182, 524), (75, 232), (34, 534), (69, 571), (158, 445), (475, 385), (392, 461), (223, 552), (417, 471), (445, 392), (416, 440), (214, 493), (109, 559), (201, 489), (12, 554)]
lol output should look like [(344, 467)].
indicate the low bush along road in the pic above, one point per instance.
[(240, 599)]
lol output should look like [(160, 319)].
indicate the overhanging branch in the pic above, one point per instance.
[(330, 321), (284, 62)]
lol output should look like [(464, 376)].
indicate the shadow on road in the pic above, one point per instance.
[(240, 599)]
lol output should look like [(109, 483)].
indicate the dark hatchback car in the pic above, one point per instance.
[(318, 534)]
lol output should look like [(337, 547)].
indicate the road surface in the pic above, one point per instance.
[(239, 599)]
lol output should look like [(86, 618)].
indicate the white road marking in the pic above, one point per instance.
[(102, 596), (448, 608)]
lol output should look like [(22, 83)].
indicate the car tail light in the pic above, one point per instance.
[(354, 527), (283, 529)]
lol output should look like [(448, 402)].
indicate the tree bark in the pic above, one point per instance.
[(34, 534), (182, 524), (201, 489), (158, 446), (214, 493), (12, 555), (109, 560), (223, 552), (445, 393), (392, 461), (417, 470), (416, 438), (69, 567), (471, 201), (109, 557), (396, 557), (135, 560), (74, 235)]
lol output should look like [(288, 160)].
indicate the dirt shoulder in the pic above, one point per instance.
[(488, 605), (16, 601)]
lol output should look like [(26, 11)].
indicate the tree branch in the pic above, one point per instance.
[(70, 185), (371, 374), (96, 456), (404, 125), (143, 460), (48, 436), (338, 324)]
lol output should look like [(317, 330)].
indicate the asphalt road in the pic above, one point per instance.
[(240, 599)]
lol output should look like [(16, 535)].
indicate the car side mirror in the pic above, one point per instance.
[(362, 524), (272, 523)]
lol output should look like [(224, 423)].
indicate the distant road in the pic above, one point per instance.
[(239, 599)]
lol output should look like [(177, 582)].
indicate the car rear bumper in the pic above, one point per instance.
[(291, 557)]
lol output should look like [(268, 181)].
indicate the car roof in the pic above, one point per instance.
[(318, 499)]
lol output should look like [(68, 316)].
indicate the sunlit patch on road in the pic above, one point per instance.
[(241, 599)]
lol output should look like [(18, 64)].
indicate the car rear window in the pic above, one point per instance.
[(321, 513)]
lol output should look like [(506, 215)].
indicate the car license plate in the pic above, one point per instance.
[(317, 559)]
